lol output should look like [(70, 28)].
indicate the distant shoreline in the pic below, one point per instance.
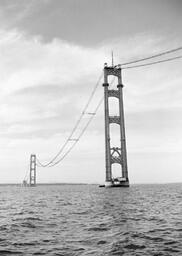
[(63, 184), (49, 184)]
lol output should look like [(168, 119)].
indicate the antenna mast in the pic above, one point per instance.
[(112, 59)]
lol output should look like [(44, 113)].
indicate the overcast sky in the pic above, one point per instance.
[(51, 55)]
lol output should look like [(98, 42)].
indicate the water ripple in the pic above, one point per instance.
[(144, 220)]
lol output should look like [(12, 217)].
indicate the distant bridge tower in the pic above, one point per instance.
[(115, 154), (32, 170)]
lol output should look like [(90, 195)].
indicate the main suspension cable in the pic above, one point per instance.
[(151, 57), (80, 135), (74, 128), (153, 63), (82, 132)]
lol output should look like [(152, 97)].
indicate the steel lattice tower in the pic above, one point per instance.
[(115, 154), (32, 170)]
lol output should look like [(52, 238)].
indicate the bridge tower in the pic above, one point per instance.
[(115, 154), (32, 170)]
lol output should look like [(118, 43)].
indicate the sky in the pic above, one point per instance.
[(52, 53)]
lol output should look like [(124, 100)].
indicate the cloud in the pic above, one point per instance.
[(41, 82), (18, 11)]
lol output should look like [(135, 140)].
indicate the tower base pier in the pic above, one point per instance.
[(108, 184), (117, 182), (121, 184)]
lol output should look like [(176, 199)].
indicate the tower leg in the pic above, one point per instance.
[(107, 139), (108, 180), (122, 135)]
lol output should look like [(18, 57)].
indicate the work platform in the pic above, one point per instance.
[(117, 182)]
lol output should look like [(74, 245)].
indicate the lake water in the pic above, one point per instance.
[(88, 220)]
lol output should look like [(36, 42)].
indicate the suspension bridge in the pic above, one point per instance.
[(114, 154)]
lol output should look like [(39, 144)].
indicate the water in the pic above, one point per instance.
[(87, 220)]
